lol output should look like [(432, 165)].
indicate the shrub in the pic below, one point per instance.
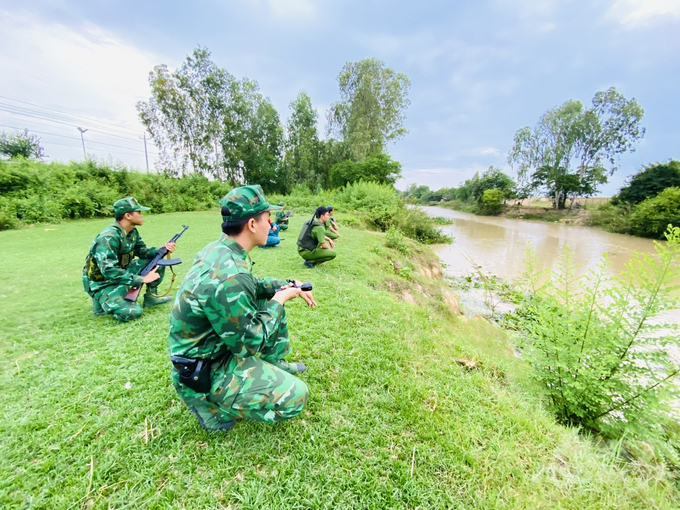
[(38, 192), (491, 201), (651, 217), (378, 202), (395, 239), (600, 361)]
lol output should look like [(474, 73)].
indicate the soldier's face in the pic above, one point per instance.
[(135, 218), (261, 224)]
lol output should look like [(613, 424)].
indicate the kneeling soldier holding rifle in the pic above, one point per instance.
[(228, 329), (111, 269)]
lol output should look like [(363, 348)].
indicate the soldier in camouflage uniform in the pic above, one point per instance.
[(281, 217), (111, 270), (228, 329)]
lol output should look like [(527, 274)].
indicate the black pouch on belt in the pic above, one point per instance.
[(193, 373)]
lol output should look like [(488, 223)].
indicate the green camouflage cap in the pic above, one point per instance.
[(245, 202), (128, 204)]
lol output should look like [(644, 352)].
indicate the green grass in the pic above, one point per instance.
[(392, 421)]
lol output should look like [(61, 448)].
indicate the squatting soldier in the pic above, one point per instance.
[(228, 329), (282, 217), (331, 226), (111, 268), (314, 245)]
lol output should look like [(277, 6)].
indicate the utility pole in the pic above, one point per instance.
[(146, 154), (83, 140)]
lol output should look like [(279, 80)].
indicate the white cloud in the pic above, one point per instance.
[(86, 70), (635, 13)]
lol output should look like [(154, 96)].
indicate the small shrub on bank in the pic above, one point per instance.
[(395, 239), (603, 365)]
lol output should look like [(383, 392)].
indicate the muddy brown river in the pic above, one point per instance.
[(498, 245)]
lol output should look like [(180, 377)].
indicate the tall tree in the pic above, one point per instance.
[(204, 120), (572, 150), (370, 113), (302, 144)]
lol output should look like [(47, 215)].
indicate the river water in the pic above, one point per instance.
[(498, 245)]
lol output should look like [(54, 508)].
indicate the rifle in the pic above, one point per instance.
[(287, 215), (133, 293)]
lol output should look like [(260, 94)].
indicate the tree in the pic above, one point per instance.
[(206, 121), (572, 141), (493, 178), (649, 182), (370, 113), (21, 145), (378, 168), (302, 144)]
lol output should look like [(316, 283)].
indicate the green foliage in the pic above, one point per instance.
[(378, 168), (378, 202), (395, 239), (614, 218), (593, 347), (34, 192), (206, 121), (21, 145), (571, 150), (418, 225), (370, 113), (651, 217), (649, 182), (302, 144), (492, 201)]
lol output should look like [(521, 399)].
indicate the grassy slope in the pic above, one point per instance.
[(392, 421)]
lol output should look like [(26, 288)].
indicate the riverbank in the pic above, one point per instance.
[(396, 418)]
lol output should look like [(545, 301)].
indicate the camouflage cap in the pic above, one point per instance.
[(128, 204), (245, 202)]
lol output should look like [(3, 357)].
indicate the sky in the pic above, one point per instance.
[(479, 70)]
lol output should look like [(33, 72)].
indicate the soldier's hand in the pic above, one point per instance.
[(151, 276), (170, 246), (286, 294), (306, 295), (330, 241)]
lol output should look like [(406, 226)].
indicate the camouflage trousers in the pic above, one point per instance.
[(250, 388), (109, 300)]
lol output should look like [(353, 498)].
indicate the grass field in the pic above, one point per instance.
[(90, 418)]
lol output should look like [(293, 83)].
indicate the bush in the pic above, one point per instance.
[(492, 201), (38, 192), (651, 217), (600, 361), (395, 239), (379, 202)]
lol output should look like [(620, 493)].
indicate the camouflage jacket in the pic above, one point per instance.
[(222, 308), (110, 255)]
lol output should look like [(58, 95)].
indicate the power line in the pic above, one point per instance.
[(95, 149), (90, 119), (13, 110), (76, 138)]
